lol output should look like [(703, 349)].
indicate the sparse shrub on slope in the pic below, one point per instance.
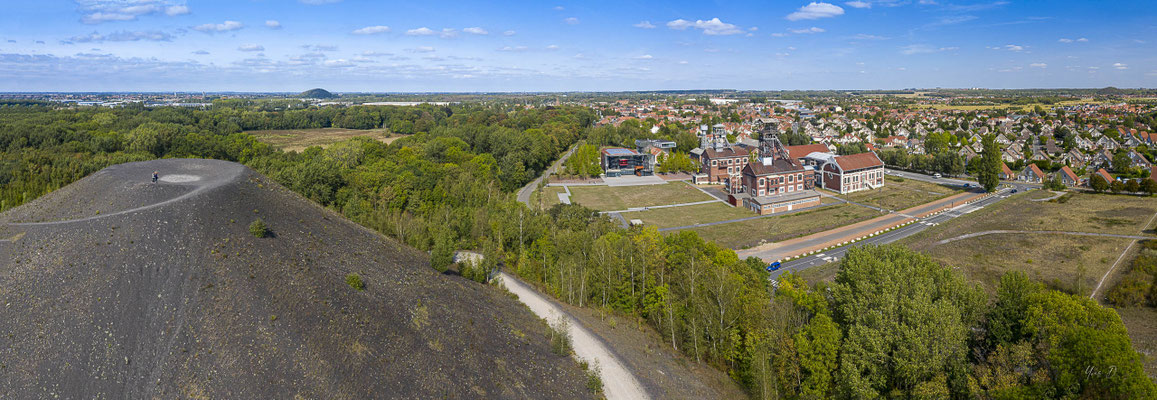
[(355, 281), (259, 229)]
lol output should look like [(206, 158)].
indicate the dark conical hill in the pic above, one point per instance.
[(165, 294)]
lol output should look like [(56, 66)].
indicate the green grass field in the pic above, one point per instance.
[(744, 234), (300, 139), (612, 198), (689, 215), (900, 194)]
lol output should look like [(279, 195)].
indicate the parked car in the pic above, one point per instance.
[(936, 175), (773, 266)]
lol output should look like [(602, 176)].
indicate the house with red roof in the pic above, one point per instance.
[(847, 174), (1068, 177), (1006, 173), (1104, 174), (1031, 173)]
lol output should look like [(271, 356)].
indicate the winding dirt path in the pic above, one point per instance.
[(618, 381)]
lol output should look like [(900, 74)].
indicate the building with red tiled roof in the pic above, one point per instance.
[(1031, 173), (724, 165), (850, 173), (1006, 172), (1068, 177), (1104, 174), (801, 151)]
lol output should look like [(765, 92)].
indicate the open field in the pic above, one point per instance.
[(550, 196), (1071, 263), (689, 215), (1010, 107), (749, 233), (300, 139), (1142, 325), (900, 194), (611, 198)]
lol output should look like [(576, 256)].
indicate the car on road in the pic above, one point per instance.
[(773, 266), (936, 175), (1014, 190)]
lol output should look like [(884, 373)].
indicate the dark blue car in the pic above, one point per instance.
[(773, 266)]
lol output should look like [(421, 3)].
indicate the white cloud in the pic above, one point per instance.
[(514, 49), (99, 11), (924, 49), (571, 21), (683, 62), (273, 24), (475, 31), (173, 11), (370, 30), (645, 25), (423, 31), (807, 30), (858, 4), (251, 47), (559, 8), (1063, 40), (201, 52), (123, 36), (816, 10), (508, 33), (1013, 47), (552, 47), (223, 27), (448, 33), (644, 57), (341, 62), (1082, 40), (1120, 66), (864, 36), (710, 27), (1039, 65)]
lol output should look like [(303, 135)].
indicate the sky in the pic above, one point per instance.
[(520, 46)]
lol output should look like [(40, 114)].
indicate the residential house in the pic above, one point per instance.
[(1104, 175), (1068, 177), (1031, 173), (1006, 173), (1138, 160)]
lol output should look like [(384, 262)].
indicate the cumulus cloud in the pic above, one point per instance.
[(1082, 40), (475, 31), (251, 47), (1013, 47), (710, 27), (1120, 66), (858, 4), (341, 62), (99, 11), (807, 30), (552, 47), (1039, 65), (273, 24), (423, 31), (123, 36), (816, 10), (222, 27), (571, 21), (370, 30), (645, 57), (513, 49), (645, 25), (864, 36)]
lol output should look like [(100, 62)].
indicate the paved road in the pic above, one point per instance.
[(836, 254), (618, 381), (524, 193), (792, 247), (1019, 186)]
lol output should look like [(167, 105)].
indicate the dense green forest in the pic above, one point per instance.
[(894, 324)]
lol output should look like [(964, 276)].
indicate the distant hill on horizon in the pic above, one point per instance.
[(316, 93)]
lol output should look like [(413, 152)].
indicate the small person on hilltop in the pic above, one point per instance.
[(154, 176)]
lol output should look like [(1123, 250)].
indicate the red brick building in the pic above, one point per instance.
[(776, 185), (725, 164), (850, 173)]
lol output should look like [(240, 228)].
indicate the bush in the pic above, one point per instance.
[(355, 281), (259, 229), (560, 341), (594, 378)]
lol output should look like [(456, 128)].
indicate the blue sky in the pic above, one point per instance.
[(385, 46)]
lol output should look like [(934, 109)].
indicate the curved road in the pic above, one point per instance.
[(524, 193), (618, 381)]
